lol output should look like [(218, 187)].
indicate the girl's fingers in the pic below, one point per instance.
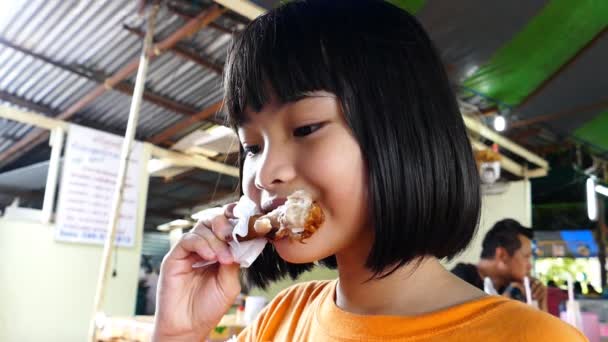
[(217, 220), (208, 237), (191, 243), (229, 210), (209, 215), (219, 247), (229, 276), (222, 228), (199, 245)]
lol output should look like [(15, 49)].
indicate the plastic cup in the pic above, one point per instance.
[(253, 306)]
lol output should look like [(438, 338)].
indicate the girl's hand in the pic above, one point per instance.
[(191, 302)]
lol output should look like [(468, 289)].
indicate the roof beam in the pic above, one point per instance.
[(187, 16), (124, 87), (24, 193), (192, 26), (220, 28), (183, 52), (181, 159), (180, 176), (157, 99), (243, 7), (487, 133), (568, 112), (173, 157), (522, 136), (37, 120), (510, 165), (186, 122), (22, 102)]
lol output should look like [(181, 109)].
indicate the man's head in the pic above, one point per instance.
[(509, 245)]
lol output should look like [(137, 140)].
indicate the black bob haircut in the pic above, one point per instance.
[(505, 234), (423, 185)]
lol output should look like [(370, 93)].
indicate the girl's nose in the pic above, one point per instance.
[(275, 168)]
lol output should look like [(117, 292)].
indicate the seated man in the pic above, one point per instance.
[(506, 260)]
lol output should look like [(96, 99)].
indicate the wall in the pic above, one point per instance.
[(514, 203), (47, 287)]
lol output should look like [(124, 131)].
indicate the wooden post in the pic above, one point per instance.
[(124, 162), (50, 189)]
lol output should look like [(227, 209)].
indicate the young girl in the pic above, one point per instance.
[(347, 100)]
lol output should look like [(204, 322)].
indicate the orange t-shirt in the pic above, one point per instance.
[(307, 312)]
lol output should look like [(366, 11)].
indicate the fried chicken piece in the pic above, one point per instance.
[(297, 219)]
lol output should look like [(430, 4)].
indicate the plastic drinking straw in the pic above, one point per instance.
[(570, 287), (528, 290), (488, 286)]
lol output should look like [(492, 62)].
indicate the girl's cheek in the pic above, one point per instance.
[(248, 182)]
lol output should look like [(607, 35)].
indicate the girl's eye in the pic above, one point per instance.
[(251, 150), (306, 130)]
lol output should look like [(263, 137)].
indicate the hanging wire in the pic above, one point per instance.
[(115, 267)]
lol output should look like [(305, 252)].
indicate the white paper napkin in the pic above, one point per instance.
[(244, 253)]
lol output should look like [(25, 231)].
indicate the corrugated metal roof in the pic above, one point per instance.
[(89, 36), (64, 49)]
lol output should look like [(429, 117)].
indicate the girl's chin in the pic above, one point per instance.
[(298, 252)]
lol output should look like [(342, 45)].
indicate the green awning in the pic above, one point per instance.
[(595, 131), (412, 6), (549, 40)]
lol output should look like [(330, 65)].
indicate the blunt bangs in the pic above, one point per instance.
[(423, 186), (280, 53)]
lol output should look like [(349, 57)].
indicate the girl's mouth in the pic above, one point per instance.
[(272, 203)]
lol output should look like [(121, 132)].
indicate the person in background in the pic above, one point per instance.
[(592, 292), (506, 260), (151, 282), (577, 287), (146, 292), (555, 297)]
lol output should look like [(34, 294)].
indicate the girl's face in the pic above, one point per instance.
[(307, 145)]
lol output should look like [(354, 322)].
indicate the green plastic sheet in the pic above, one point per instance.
[(548, 41)]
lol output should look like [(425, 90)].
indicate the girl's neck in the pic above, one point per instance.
[(413, 289)]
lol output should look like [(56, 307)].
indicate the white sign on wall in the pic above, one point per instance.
[(88, 183)]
